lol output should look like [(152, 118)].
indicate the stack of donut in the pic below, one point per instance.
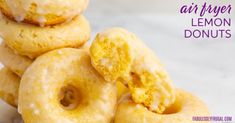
[(52, 76), (30, 28)]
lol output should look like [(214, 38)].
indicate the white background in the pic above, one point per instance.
[(204, 67)]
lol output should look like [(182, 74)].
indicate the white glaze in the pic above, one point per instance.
[(19, 8)]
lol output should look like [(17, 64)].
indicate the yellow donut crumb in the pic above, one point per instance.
[(111, 55), (182, 110), (119, 55)]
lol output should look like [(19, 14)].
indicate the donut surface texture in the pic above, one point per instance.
[(9, 86), (183, 110), (32, 41), (41, 12), (16, 63), (121, 89), (61, 86)]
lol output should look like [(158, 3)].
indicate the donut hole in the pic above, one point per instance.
[(173, 109), (69, 97)]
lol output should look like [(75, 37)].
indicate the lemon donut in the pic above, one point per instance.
[(184, 108), (110, 54), (61, 86), (32, 41), (41, 12), (16, 63), (9, 86), (119, 55)]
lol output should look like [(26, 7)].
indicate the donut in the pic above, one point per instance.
[(61, 86), (183, 109), (119, 55), (9, 86), (41, 12), (16, 63), (32, 41)]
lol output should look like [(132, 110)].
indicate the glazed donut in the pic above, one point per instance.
[(184, 108), (16, 63), (32, 41), (41, 12), (119, 55), (9, 86), (61, 86)]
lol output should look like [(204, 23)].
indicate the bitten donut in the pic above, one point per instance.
[(119, 55), (32, 41), (9, 86), (184, 108), (16, 63), (61, 86), (41, 12)]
